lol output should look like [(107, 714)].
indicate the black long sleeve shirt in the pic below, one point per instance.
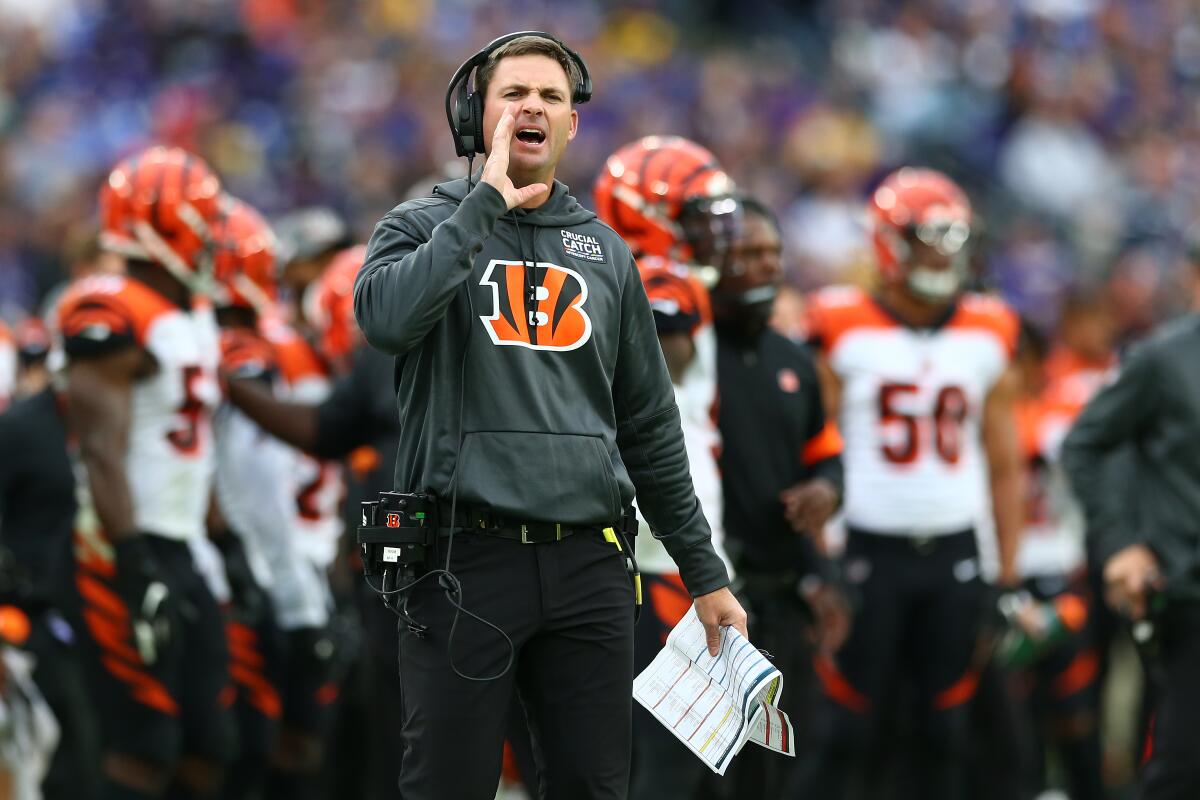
[(37, 497), (774, 435)]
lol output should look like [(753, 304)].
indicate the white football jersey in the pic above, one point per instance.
[(319, 484), (1052, 543), (911, 407), (169, 464), (674, 291), (256, 491)]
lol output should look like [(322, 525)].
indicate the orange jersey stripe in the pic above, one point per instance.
[(833, 312), (980, 312)]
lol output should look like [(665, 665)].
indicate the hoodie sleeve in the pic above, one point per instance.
[(650, 440), (408, 280), (1116, 416)]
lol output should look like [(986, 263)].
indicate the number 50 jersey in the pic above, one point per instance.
[(170, 459), (911, 405)]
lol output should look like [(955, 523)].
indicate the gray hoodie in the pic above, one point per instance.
[(1133, 458), (562, 419)]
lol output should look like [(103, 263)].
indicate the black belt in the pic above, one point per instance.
[(489, 524), (914, 541)]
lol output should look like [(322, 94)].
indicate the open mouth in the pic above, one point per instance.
[(531, 136)]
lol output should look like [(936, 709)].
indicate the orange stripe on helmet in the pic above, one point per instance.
[(159, 205)]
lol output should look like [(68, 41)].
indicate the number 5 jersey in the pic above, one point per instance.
[(169, 463), (911, 406)]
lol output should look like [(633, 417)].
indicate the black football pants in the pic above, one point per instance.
[(1173, 770), (916, 628), (567, 606)]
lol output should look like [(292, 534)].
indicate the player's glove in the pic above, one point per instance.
[(140, 584), (250, 602), (1033, 628)]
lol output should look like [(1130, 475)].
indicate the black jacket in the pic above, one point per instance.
[(1133, 456), (560, 420), (37, 498), (774, 435)]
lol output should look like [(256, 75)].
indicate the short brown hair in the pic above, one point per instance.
[(524, 46)]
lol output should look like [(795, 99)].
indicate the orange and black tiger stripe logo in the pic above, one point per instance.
[(553, 319), (679, 301)]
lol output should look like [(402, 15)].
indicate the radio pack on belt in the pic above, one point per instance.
[(397, 534)]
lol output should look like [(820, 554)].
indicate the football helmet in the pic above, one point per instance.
[(329, 307), (921, 227), (159, 206), (244, 258), (644, 187)]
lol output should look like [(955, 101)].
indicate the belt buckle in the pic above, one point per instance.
[(525, 534), (924, 545)]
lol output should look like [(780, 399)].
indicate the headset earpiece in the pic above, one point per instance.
[(476, 103)]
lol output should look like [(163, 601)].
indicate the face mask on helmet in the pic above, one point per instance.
[(936, 256), (710, 226)]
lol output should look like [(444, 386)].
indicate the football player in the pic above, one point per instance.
[(642, 193), (141, 384), (918, 377), (273, 588), (1056, 642), (310, 685)]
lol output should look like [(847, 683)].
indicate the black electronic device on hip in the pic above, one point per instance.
[(397, 537)]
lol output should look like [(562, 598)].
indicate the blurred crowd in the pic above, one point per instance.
[(1073, 123)]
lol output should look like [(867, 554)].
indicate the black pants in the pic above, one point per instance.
[(1173, 771), (74, 772), (915, 633), (178, 706), (568, 608)]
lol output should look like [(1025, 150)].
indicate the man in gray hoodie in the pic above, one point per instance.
[(534, 400)]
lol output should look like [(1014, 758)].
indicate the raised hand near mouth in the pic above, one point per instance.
[(495, 169)]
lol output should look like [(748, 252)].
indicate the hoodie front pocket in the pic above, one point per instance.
[(552, 477)]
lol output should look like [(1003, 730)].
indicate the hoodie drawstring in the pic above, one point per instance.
[(530, 272)]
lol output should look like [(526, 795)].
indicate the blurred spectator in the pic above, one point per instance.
[(1081, 111)]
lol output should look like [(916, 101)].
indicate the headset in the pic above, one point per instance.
[(464, 109)]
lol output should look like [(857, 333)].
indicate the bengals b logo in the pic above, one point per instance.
[(556, 320)]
